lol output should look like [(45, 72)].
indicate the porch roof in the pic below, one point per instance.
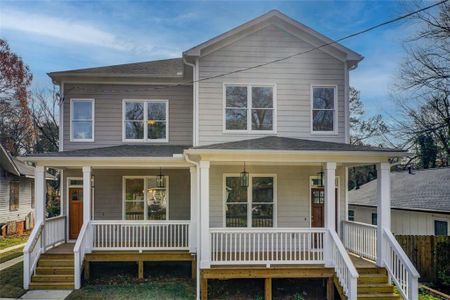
[(118, 151), (276, 143)]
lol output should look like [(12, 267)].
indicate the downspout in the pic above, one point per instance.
[(197, 292), (194, 98)]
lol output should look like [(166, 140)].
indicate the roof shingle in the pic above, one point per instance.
[(422, 190)]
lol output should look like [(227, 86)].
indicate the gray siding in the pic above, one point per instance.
[(108, 111), (24, 198), (293, 193), (108, 194), (292, 77)]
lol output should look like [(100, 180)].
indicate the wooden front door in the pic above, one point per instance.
[(76, 212), (317, 207)]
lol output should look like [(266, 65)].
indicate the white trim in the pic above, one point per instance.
[(92, 100), (249, 108), (145, 178), (250, 199), (145, 120), (346, 104), (335, 110)]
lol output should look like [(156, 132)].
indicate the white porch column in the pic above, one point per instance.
[(194, 213), (86, 194), (330, 206), (383, 208), (205, 255), (40, 191)]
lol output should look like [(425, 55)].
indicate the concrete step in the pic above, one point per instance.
[(55, 263), (53, 278), (375, 288), (380, 296), (51, 286), (55, 270), (372, 278)]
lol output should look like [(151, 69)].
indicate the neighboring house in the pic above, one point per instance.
[(245, 169), (420, 202), (16, 190)]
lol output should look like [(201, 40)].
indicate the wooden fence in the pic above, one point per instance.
[(430, 255)]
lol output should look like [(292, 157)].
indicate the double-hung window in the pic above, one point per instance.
[(249, 108), (145, 120), (82, 120), (250, 207), (324, 109), (144, 200)]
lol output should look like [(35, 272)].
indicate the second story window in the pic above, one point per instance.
[(82, 120), (249, 108), (324, 115), (145, 120)]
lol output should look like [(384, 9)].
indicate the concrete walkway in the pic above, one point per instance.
[(11, 262), (46, 294)]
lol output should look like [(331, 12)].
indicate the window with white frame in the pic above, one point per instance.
[(82, 120), (145, 120), (324, 105), (144, 200), (249, 108), (252, 206)]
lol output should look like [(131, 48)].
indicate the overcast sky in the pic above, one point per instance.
[(60, 35)]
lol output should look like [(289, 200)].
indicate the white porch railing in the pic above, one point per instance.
[(267, 245), (400, 268), (54, 231), (343, 266), (82, 246), (31, 253), (360, 239), (140, 235)]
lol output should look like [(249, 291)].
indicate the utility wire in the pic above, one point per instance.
[(310, 50)]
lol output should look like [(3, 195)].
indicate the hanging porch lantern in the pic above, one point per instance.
[(160, 179), (321, 178), (244, 178)]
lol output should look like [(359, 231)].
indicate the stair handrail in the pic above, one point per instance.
[(343, 266), (82, 246), (31, 253), (396, 261)]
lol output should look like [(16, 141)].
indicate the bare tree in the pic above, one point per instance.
[(424, 83)]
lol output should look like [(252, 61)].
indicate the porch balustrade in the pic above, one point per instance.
[(267, 245), (360, 239)]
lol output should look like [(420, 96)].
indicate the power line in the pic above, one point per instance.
[(307, 51)]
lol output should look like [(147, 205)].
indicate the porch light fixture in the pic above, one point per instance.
[(321, 178), (160, 182), (244, 178)]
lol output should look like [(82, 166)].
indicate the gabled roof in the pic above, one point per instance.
[(277, 143), (166, 68), (15, 166), (427, 190), (120, 151), (271, 16)]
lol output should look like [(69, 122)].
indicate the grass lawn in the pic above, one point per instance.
[(11, 254), (11, 281), (13, 240)]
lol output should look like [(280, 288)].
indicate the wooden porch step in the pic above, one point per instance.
[(53, 278), (375, 288), (51, 286), (57, 256), (55, 270), (372, 278), (379, 296), (372, 271), (46, 262)]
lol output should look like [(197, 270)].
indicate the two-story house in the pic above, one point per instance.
[(233, 155)]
